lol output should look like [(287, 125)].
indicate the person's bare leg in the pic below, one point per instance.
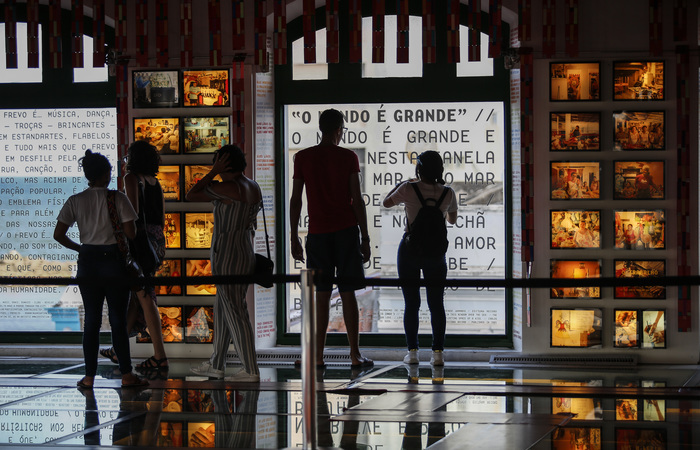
[(351, 316), (153, 323), (323, 305)]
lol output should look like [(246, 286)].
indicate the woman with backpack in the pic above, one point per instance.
[(427, 202)]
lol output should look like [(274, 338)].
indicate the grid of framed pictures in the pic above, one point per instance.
[(185, 88), (581, 133), (188, 324), (190, 135)]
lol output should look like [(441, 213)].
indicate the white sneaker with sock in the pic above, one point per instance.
[(438, 358), (244, 377), (411, 357), (205, 369)]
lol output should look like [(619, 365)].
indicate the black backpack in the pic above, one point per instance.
[(427, 235)]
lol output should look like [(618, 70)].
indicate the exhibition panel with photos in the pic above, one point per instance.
[(610, 211)]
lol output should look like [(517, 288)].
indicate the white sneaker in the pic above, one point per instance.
[(438, 375), (438, 358), (411, 357), (244, 377), (205, 369)]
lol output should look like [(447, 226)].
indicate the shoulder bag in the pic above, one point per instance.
[(264, 264), (132, 266), (141, 247)]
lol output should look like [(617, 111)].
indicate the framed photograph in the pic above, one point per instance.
[(199, 227), (199, 434), (574, 131), (575, 228), (640, 230), (171, 320), (170, 182), (639, 130), (638, 80), (200, 400), (173, 224), (584, 437), (640, 268), (199, 268), (627, 409), (574, 81), (653, 410), (173, 400), (200, 324), (171, 433), (205, 134), (162, 132), (626, 328), (194, 173), (560, 268), (156, 89), (201, 88), (574, 180), (627, 438), (654, 322), (639, 180), (171, 267), (579, 327)]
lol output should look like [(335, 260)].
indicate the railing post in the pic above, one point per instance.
[(308, 360)]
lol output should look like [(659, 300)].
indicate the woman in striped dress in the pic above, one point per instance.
[(237, 200)]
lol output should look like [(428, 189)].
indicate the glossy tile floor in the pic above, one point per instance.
[(463, 406)]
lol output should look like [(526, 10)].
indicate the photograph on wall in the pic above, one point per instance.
[(169, 178), (199, 327), (156, 89), (569, 438), (199, 400), (654, 335), (171, 267), (195, 172), (561, 268), (574, 81), (171, 320), (173, 237), (639, 438), (640, 230), (199, 268), (170, 433), (203, 88), (574, 180), (626, 328), (161, 132), (574, 131), (575, 229), (199, 228), (639, 180), (205, 134), (654, 409), (627, 409), (639, 130), (638, 80), (640, 268), (576, 327), (200, 434)]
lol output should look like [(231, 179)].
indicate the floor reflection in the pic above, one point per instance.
[(391, 406)]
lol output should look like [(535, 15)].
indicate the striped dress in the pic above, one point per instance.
[(232, 254)]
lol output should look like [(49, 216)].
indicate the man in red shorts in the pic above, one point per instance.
[(331, 175)]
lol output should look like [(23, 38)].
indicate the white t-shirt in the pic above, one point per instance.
[(406, 195), (89, 210)]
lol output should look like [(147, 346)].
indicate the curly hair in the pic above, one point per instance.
[(94, 165), (142, 158)]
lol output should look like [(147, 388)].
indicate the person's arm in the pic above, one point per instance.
[(60, 235), (197, 193), (131, 189), (389, 202), (129, 229), (295, 204), (358, 207), (452, 217)]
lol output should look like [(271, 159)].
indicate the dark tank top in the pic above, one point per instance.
[(153, 203)]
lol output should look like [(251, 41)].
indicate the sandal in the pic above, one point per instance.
[(109, 354), (136, 381), (153, 363), (83, 385)]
